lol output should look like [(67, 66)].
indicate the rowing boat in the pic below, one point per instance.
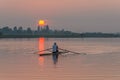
[(47, 54), (61, 51)]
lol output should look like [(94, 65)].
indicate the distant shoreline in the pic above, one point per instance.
[(55, 36), (19, 32)]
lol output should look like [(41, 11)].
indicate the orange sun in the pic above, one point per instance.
[(41, 22)]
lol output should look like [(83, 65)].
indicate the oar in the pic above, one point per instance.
[(43, 50), (72, 51), (61, 49)]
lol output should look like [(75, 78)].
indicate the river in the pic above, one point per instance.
[(19, 59)]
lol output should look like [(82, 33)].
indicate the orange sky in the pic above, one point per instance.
[(74, 15)]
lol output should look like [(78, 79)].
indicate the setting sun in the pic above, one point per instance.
[(41, 22)]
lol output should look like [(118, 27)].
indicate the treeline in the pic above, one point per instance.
[(15, 31), (99, 35), (40, 31), (19, 32)]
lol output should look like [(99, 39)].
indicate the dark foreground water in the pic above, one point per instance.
[(18, 61)]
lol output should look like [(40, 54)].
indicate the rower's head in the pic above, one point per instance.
[(54, 43)]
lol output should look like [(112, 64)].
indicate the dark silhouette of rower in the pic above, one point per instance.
[(55, 52)]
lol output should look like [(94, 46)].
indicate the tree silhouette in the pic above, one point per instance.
[(47, 28), (20, 30), (15, 30), (29, 31), (0, 33), (6, 30)]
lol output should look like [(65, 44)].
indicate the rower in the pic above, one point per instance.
[(55, 53), (55, 48)]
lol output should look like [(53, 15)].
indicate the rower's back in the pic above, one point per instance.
[(55, 48)]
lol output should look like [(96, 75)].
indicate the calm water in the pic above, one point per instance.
[(18, 61)]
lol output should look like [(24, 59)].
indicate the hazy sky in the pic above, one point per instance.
[(74, 15)]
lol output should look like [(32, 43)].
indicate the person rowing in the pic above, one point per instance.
[(55, 52), (55, 48)]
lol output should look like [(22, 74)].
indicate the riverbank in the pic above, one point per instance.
[(56, 36)]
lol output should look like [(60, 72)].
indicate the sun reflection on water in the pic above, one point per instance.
[(41, 46)]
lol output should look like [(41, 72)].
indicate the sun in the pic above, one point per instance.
[(41, 22)]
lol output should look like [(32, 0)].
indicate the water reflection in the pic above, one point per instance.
[(55, 53), (41, 46), (55, 58)]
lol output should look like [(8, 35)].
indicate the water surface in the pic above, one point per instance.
[(18, 61)]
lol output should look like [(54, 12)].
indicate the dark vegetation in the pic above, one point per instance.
[(19, 32), (0, 34)]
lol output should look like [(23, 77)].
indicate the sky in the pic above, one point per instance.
[(73, 15)]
